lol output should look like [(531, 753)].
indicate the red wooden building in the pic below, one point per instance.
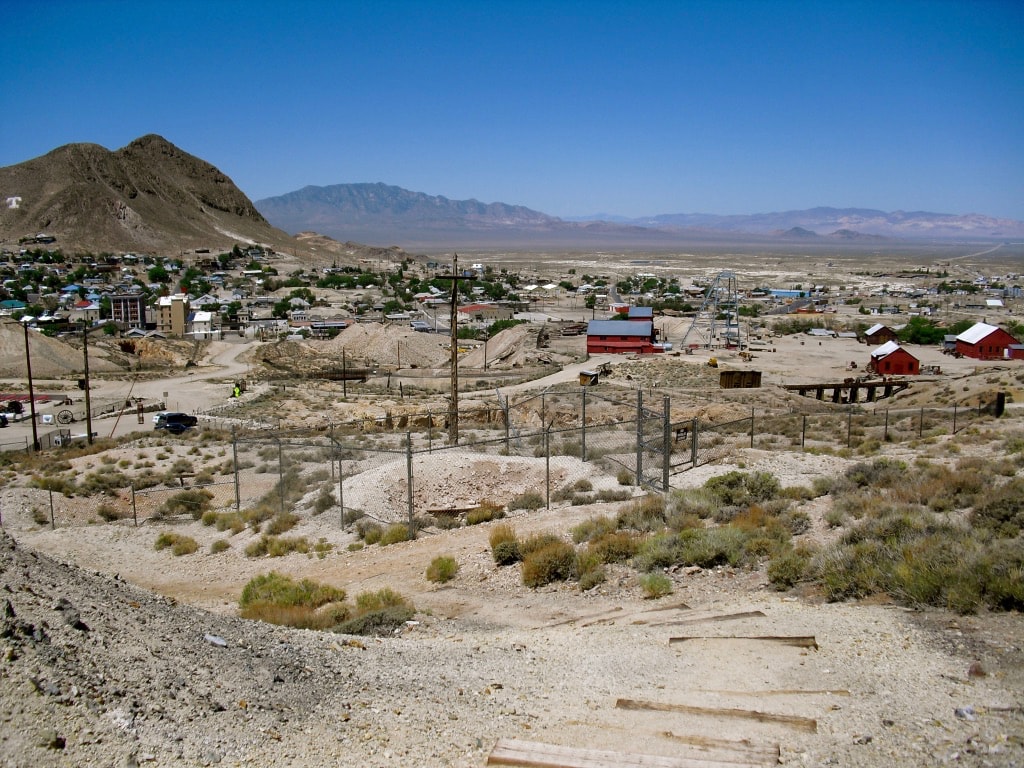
[(605, 336), (891, 359), (985, 342)]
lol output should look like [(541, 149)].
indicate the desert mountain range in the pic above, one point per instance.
[(152, 197)]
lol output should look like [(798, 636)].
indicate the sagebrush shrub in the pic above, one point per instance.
[(552, 561)]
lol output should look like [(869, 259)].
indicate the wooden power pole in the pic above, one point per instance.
[(453, 402)]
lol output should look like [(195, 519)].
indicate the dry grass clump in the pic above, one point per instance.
[(485, 513), (178, 544), (306, 604), (377, 613), (504, 545), (277, 546), (442, 569), (547, 560), (395, 533)]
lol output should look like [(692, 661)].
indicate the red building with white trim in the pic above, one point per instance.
[(891, 359), (985, 342)]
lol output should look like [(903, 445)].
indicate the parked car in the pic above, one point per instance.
[(175, 423)]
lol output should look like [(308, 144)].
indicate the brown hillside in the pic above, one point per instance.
[(149, 197)]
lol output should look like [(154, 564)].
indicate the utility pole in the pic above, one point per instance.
[(31, 392), (453, 402), (85, 360)]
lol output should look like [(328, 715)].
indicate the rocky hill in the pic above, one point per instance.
[(147, 197)]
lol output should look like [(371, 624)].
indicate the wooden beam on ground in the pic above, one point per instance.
[(533, 754), (793, 721), (719, 617), (800, 641)]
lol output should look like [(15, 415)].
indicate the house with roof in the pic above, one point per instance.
[(891, 359), (985, 342), (645, 314), (483, 313), (879, 334), (621, 336), (200, 325)]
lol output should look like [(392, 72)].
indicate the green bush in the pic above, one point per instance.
[(646, 513), (193, 501), (737, 489), (393, 534), (552, 561), (282, 522), (377, 613), (590, 571), (218, 546), (504, 545), (276, 588), (788, 568), (529, 500), (701, 502), (1002, 509), (593, 528), (277, 546), (108, 513), (615, 546), (304, 604), (442, 569), (324, 501), (369, 531), (655, 585)]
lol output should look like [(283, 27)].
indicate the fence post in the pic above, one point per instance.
[(954, 418), (849, 427), (408, 477), (135, 511), (583, 425), (639, 436), (430, 431), (280, 473), (331, 436), (666, 442), (53, 525), (341, 488), (693, 444), (751, 426), (234, 464), (547, 466)]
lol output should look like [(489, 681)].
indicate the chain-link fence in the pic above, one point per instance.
[(571, 444)]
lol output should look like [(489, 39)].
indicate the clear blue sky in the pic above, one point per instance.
[(570, 108)]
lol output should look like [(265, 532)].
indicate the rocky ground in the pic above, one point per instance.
[(115, 654)]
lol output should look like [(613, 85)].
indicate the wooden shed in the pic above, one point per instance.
[(891, 359)]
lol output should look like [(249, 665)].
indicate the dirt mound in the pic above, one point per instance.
[(51, 358), (457, 480)]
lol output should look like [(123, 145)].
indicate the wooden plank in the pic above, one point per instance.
[(743, 751), (536, 755), (793, 721), (780, 692), (719, 617), (800, 641)]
